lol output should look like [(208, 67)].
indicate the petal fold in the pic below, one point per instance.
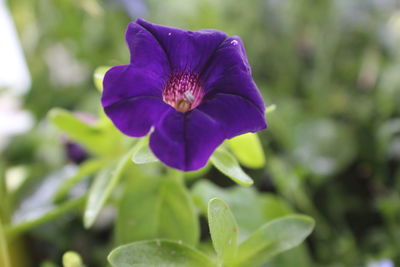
[(127, 81), (146, 52), (186, 50), (235, 114), (135, 116), (229, 72), (185, 140)]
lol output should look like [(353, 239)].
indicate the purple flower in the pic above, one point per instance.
[(193, 88)]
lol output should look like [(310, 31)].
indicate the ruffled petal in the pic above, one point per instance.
[(235, 114), (146, 52), (229, 72), (135, 116), (185, 140), (186, 50)]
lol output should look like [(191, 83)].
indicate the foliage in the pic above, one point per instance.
[(331, 150)]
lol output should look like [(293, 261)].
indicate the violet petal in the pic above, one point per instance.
[(135, 116), (186, 50), (185, 140), (229, 72)]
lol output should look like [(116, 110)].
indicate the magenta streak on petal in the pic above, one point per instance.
[(183, 91)]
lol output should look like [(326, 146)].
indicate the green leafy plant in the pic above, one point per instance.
[(268, 241)]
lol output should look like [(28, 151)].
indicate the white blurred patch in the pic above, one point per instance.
[(14, 74), (64, 69), (15, 176), (13, 119)]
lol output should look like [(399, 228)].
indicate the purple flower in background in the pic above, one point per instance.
[(194, 88)]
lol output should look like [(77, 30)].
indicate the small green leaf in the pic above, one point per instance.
[(273, 238), (270, 109), (158, 253), (98, 76), (102, 187), (228, 165), (142, 153), (248, 150), (72, 259), (223, 229)]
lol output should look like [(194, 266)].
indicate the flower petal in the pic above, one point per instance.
[(135, 116), (132, 94), (127, 81), (146, 52), (186, 50), (235, 114), (185, 140), (229, 72)]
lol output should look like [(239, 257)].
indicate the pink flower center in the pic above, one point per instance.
[(183, 91)]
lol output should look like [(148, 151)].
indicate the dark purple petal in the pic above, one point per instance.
[(235, 114), (186, 140), (186, 50), (146, 52), (135, 116), (127, 81), (229, 72)]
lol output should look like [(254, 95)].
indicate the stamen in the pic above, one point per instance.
[(183, 91)]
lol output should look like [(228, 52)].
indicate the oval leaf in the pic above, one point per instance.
[(273, 238), (158, 253), (223, 229), (228, 165), (248, 150)]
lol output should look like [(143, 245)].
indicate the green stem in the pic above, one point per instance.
[(24, 226), (4, 256)]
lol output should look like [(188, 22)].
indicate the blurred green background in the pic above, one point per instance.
[(332, 67)]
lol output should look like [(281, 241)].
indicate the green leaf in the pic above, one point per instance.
[(273, 238), (166, 210), (102, 188), (158, 253), (72, 259), (250, 208), (248, 150), (142, 153), (223, 229), (228, 165), (99, 141), (270, 109), (98, 77)]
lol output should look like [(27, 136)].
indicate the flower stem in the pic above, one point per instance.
[(4, 256)]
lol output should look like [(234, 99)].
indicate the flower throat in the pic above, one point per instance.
[(183, 91)]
